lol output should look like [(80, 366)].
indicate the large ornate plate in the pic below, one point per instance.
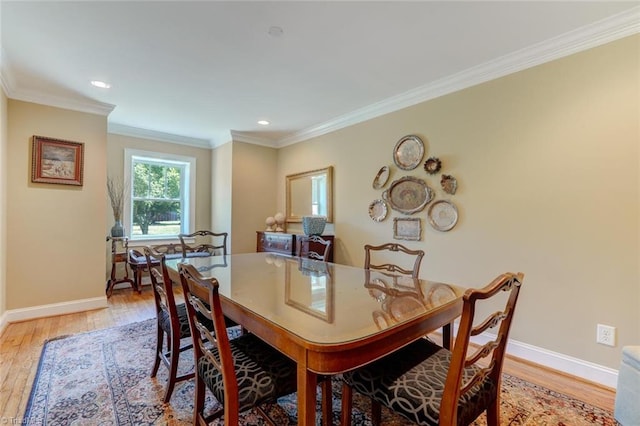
[(408, 195), (408, 152), (443, 215)]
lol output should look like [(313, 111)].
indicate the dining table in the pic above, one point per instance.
[(327, 317)]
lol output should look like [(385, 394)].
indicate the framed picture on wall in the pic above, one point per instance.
[(57, 161), (407, 229)]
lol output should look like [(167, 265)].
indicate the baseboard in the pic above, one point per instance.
[(3, 323), (15, 315), (592, 372)]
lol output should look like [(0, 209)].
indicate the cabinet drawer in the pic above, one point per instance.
[(277, 243)]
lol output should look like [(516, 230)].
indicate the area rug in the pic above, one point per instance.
[(102, 378)]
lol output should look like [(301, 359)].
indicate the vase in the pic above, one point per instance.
[(313, 225), (117, 230)]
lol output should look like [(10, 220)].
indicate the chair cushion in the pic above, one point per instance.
[(165, 321), (411, 382), (263, 374)]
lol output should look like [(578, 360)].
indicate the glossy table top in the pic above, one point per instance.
[(322, 303)]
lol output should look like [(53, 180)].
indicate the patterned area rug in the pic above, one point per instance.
[(102, 378)]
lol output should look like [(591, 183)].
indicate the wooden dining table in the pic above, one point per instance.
[(328, 318)]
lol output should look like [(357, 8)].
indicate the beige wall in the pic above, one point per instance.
[(3, 204), (254, 193), (547, 162), (221, 164), (56, 232)]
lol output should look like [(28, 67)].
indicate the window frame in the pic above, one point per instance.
[(188, 197)]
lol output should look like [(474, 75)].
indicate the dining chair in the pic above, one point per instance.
[(313, 247), (216, 245), (172, 322), (241, 373), (430, 385), (407, 267)]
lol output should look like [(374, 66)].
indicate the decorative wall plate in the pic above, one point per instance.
[(443, 215), (408, 152), (432, 165), (381, 178), (407, 228), (378, 210), (408, 195), (449, 184)]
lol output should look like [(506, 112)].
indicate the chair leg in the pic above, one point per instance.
[(198, 400), (159, 345), (327, 402), (347, 404), (493, 413), (174, 357), (376, 413)]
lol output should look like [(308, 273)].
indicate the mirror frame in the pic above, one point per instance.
[(328, 171)]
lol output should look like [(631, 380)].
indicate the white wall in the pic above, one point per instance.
[(547, 162)]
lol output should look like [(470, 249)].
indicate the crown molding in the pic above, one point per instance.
[(80, 105), (136, 132), (607, 30), (237, 136)]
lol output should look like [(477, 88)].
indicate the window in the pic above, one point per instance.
[(160, 201)]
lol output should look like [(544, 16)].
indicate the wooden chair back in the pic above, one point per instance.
[(384, 249), (203, 303), (216, 245), (161, 283), (306, 246), (492, 351)]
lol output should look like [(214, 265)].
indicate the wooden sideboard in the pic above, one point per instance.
[(283, 243)]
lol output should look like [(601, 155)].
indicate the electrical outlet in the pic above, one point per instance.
[(606, 335)]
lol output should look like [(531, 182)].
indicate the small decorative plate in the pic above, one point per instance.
[(408, 152), (378, 210), (408, 195), (381, 178), (432, 165), (449, 184), (443, 215)]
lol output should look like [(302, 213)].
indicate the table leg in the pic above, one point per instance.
[(447, 336), (307, 383)]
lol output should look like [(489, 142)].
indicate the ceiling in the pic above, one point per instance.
[(205, 72)]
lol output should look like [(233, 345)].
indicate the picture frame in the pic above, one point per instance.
[(407, 228), (57, 161)]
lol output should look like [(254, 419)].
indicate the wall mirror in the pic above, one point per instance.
[(310, 193)]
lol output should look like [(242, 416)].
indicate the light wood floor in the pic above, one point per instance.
[(21, 344)]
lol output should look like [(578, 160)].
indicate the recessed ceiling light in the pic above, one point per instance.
[(275, 31), (263, 122), (100, 84)]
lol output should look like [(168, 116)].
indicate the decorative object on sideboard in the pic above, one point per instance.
[(408, 152), (432, 165), (115, 189), (408, 195), (313, 225), (378, 210), (449, 184), (57, 161), (271, 224), (443, 215), (279, 217), (381, 178)]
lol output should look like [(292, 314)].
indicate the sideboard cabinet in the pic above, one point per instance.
[(283, 243)]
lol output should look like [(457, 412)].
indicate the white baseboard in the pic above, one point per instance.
[(3, 323), (15, 315), (567, 364)]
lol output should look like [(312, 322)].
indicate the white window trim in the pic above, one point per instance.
[(190, 197)]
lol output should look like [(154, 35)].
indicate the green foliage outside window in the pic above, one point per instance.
[(156, 194)]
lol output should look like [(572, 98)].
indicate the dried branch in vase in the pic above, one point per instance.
[(115, 189)]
